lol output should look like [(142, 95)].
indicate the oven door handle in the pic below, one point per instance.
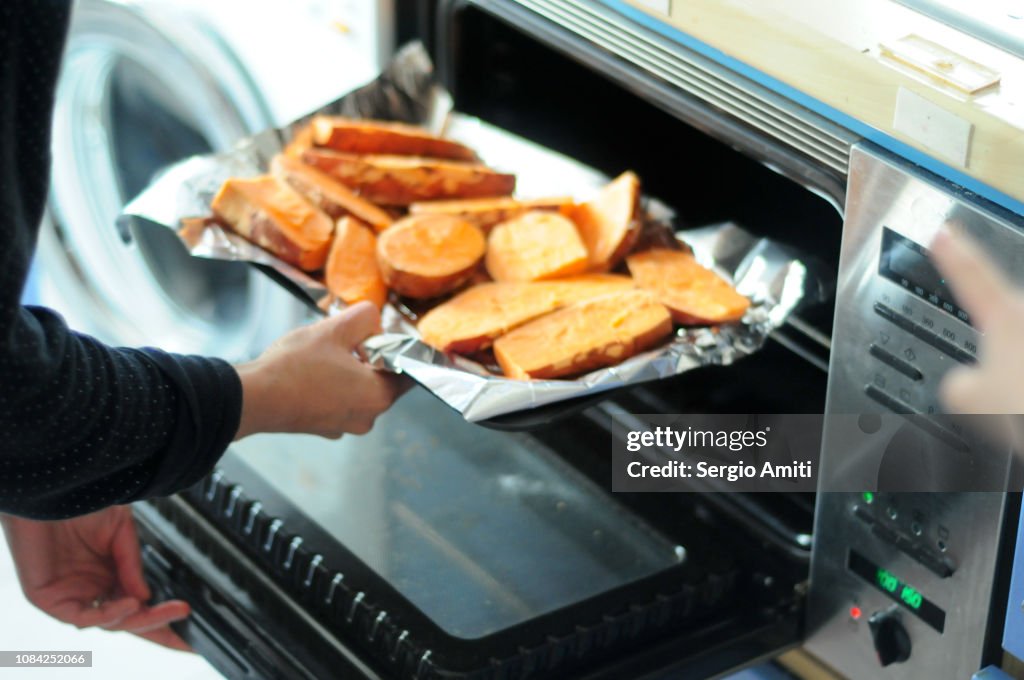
[(230, 645)]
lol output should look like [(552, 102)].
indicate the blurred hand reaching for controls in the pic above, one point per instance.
[(996, 306)]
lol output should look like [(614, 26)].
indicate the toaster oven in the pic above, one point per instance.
[(435, 548)]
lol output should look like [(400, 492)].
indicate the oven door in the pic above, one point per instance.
[(437, 548)]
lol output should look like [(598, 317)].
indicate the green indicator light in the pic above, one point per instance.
[(886, 581), (869, 497)]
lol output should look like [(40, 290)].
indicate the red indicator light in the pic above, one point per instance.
[(855, 613)]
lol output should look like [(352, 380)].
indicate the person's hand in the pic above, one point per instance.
[(996, 384), (87, 571), (311, 380)]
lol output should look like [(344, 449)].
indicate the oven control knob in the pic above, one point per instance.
[(892, 643)]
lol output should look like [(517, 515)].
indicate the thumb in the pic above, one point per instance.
[(128, 558), (355, 324)]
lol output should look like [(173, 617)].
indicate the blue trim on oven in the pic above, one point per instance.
[(1013, 629), (880, 138)]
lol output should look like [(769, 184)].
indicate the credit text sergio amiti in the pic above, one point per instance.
[(666, 438)]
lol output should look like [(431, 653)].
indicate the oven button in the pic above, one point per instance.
[(863, 514), (924, 422), (892, 316), (890, 359), (887, 400), (965, 357), (885, 311), (940, 566), (943, 345), (922, 333), (892, 642)]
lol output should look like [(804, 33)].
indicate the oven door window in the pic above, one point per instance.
[(480, 530)]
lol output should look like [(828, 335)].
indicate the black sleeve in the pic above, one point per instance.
[(82, 425)]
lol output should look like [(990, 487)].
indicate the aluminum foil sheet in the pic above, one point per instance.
[(772, 276)]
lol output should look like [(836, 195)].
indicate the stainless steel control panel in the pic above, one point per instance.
[(902, 583)]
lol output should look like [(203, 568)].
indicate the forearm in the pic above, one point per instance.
[(86, 426)]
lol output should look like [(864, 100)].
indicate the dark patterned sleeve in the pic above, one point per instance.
[(82, 425)]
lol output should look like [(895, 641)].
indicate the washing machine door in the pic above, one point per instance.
[(142, 87)]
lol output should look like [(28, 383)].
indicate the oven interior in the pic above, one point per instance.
[(436, 548)]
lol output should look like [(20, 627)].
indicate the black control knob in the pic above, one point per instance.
[(892, 643)]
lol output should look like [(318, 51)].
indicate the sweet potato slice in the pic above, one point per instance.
[(474, 318), (274, 216), (302, 140), (609, 222), (535, 246), (471, 320), (352, 273), (192, 228), (694, 294), (578, 288), (401, 180), (375, 136), (327, 193), (599, 332), (487, 212), (427, 255)]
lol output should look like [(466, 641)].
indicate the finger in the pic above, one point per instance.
[(355, 324), (128, 558), (979, 286), (166, 637), (84, 615), (151, 618), (963, 391), (398, 384), (392, 386)]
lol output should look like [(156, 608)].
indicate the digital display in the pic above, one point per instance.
[(890, 584), (887, 582), (914, 266), (908, 264)]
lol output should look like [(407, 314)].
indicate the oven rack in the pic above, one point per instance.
[(357, 606)]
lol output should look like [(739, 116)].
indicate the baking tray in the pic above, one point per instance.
[(773, 276)]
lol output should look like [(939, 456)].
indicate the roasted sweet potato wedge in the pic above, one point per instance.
[(401, 180), (377, 137), (535, 246), (352, 273), (578, 288), (487, 212), (474, 318), (694, 294), (424, 256), (272, 215), (609, 222), (471, 320), (597, 332), (327, 193), (192, 228), (302, 140)]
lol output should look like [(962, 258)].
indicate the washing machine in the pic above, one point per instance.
[(147, 83)]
